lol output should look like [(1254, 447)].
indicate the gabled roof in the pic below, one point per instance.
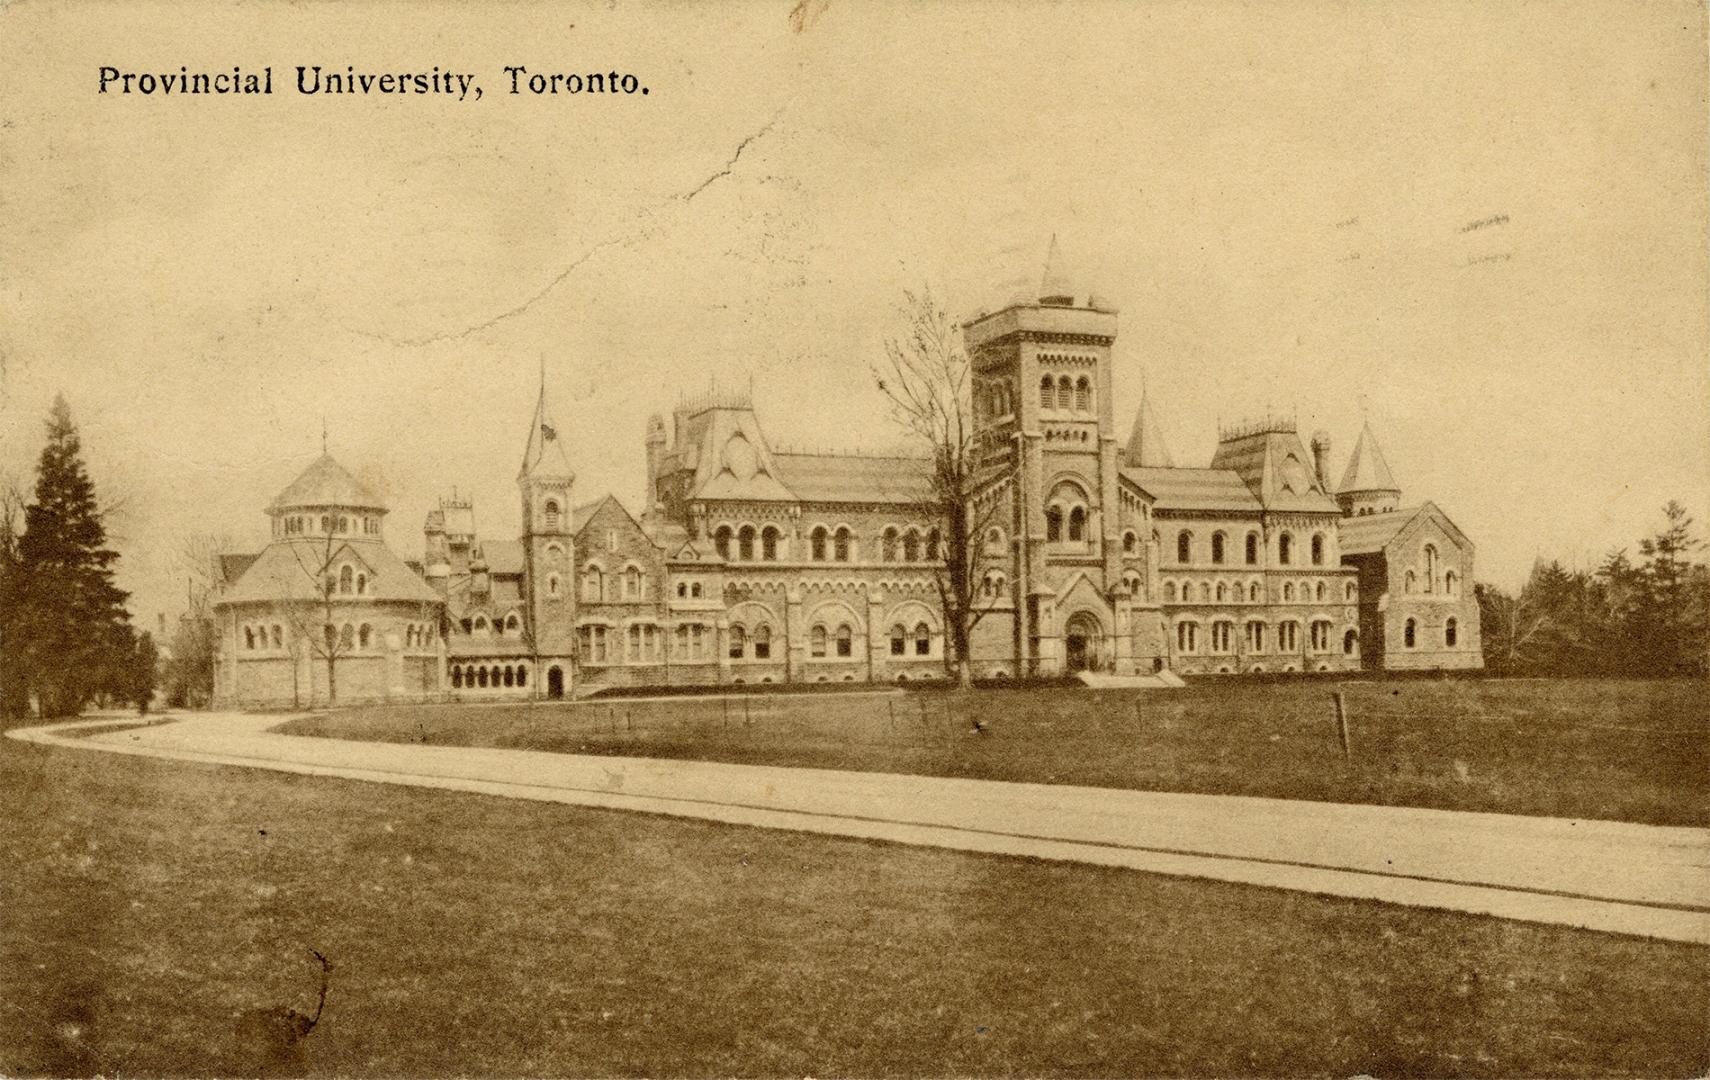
[(327, 483), (1277, 468), (1146, 449), (1195, 489), (854, 477), (233, 566), (730, 455), (503, 556), (285, 571), (1365, 534), (600, 509), (1367, 470)]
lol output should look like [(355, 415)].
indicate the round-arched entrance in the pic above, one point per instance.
[(555, 682), (1083, 638)]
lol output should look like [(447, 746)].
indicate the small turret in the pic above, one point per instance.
[(436, 554), (1367, 485), (656, 445)]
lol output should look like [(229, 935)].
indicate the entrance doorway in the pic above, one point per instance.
[(1081, 638), (555, 682)]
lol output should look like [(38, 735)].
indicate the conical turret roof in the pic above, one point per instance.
[(1055, 285), (327, 483), (1146, 448), (544, 455), (1367, 470)]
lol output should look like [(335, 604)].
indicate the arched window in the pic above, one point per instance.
[(1285, 548), (512, 623), (1409, 634), (1450, 581), (481, 677), (1253, 593), (1131, 582), (932, 545), (745, 544), (1409, 582), (1053, 523), (694, 590), (1184, 546), (1083, 395), (994, 541), (1348, 592), (1187, 637), (1065, 392), (1217, 547), (1047, 393), (1288, 590), (522, 674), (1317, 549), (1255, 636), (278, 637), (1169, 592), (343, 524), (922, 640), (362, 584), (1252, 549), (1130, 542), (816, 641), (510, 675), (762, 642), (347, 636), (249, 638), (816, 543), (845, 640), (1288, 636), (480, 622), (721, 541), (911, 546), (1222, 592), (1318, 591), (632, 583), (1430, 568), (1450, 632), (1078, 524), (738, 641), (840, 544), (1320, 636), (899, 640), (457, 678), (769, 544), (1349, 640), (552, 513), (346, 578), (363, 635), (326, 523), (1205, 590)]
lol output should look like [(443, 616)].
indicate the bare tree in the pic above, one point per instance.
[(927, 377), (313, 623)]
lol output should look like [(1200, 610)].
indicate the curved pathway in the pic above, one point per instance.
[(1645, 880)]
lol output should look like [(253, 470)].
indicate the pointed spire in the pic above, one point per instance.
[(1054, 286), (1367, 470), (1146, 447), (544, 455)]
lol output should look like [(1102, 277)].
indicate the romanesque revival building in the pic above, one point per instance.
[(752, 564)]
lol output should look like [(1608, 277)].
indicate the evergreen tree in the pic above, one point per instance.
[(75, 629), (141, 673), (1671, 607)]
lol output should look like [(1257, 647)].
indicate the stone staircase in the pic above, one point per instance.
[(1158, 680)]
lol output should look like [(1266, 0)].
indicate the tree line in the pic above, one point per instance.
[(1647, 616), (66, 638)]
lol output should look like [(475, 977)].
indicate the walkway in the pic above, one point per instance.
[(1623, 878)]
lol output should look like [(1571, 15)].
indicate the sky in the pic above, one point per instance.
[(1279, 199)]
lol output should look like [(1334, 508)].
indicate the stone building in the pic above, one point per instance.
[(750, 563)]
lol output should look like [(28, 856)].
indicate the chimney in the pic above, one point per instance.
[(1321, 458)]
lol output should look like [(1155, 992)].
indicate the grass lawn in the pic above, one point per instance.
[(1625, 750), (144, 904)]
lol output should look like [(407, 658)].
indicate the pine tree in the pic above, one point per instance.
[(1671, 612), (75, 630)]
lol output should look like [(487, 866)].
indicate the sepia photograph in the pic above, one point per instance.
[(820, 538)]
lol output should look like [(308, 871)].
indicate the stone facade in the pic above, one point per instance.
[(754, 564)]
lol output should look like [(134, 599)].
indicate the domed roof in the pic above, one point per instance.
[(327, 483)]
